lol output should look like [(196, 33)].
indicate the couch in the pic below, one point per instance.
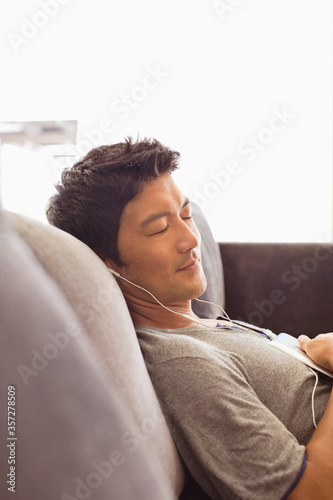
[(88, 423)]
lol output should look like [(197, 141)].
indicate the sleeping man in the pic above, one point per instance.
[(240, 412)]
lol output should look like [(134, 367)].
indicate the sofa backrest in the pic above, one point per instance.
[(212, 265), (99, 306), (71, 433)]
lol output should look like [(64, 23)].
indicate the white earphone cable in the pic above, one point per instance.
[(217, 305), (195, 320), (312, 398), (187, 316)]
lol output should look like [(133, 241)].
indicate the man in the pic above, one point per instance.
[(240, 412)]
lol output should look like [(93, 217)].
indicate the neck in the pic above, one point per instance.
[(148, 313)]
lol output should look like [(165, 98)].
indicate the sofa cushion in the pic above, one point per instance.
[(212, 265), (72, 429), (99, 304)]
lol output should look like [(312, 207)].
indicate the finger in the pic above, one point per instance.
[(303, 341)]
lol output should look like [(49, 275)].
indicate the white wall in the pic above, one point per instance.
[(28, 178), (242, 88)]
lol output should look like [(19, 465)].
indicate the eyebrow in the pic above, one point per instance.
[(159, 215)]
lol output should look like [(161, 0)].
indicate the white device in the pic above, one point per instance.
[(289, 344)]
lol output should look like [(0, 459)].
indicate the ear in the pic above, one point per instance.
[(111, 265)]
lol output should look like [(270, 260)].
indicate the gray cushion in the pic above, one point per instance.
[(70, 421), (99, 304), (212, 264)]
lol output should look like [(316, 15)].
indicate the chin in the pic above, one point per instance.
[(202, 291), (188, 289), (202, 283), (198, 289)]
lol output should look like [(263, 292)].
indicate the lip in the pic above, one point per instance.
[(193, 265)]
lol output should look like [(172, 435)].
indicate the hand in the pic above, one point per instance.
[(320, 349)]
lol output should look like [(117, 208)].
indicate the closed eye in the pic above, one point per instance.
[(160, 232), (165, 229)]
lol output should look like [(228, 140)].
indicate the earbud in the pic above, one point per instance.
[(114, 272)]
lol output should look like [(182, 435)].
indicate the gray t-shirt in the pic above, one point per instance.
[(239, 410)]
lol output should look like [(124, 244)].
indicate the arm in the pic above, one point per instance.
[(317, 480)]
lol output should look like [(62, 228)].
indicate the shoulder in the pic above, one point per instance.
[(163, 345), (184, 349)]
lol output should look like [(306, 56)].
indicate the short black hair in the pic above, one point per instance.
[(93, 193)]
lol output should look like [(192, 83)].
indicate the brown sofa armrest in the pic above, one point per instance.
[(281, 286)]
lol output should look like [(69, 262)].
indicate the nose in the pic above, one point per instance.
[(188, 237)]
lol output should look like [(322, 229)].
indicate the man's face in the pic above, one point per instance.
[(159, 244)]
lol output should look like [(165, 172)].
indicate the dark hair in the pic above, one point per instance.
[(93, 193)]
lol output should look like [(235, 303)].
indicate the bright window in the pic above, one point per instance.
[(243, 89)]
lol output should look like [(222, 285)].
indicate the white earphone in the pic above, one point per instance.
[(196, 320)]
